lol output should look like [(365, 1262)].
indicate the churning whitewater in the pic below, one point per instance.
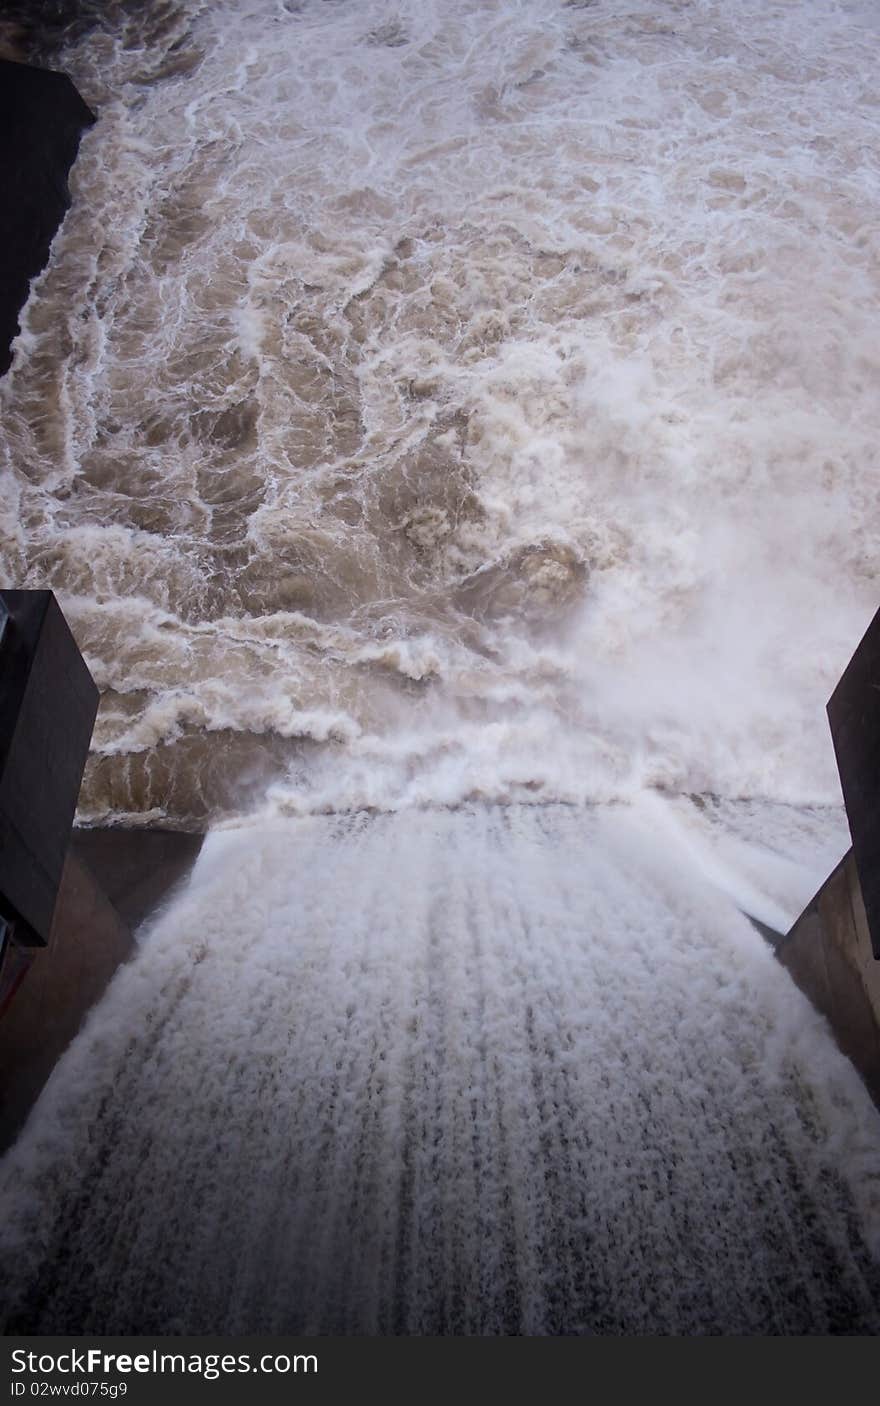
[(451, 429), (458, 400)]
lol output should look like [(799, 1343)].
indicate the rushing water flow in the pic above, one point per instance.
[(451, 429), (499, 1070)]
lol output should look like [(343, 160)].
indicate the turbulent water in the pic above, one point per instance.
[(449, 400), (451, 430)]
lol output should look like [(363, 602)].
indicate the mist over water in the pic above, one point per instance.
[(451, 430)]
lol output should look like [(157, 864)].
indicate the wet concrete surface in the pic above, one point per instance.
[(113, 880), (829, 955)]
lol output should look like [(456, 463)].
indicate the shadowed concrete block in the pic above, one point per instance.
[(137, 869), (869, 968), (66, 911), (828, 953), (88, 940), (48, 704), (854, 715), (90, 937), (42, 117)]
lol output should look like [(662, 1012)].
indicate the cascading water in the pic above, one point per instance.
[(494, 1070), (451, 431)]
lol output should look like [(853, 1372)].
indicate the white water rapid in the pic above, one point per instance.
[(451, 428)]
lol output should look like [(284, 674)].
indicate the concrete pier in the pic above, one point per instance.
[(829, 954), (62, 982), (113, 881), (69, 902)]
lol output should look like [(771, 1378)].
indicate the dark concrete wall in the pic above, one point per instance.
[(42, 117), (137, 869), (113, 880), (854, 715), (828, 953), (48, 703), (86, 945)]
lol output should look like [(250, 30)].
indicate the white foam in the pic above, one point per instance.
[(375, 299)]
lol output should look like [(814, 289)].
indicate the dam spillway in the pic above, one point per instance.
[(489, 1071), (451, 432)]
